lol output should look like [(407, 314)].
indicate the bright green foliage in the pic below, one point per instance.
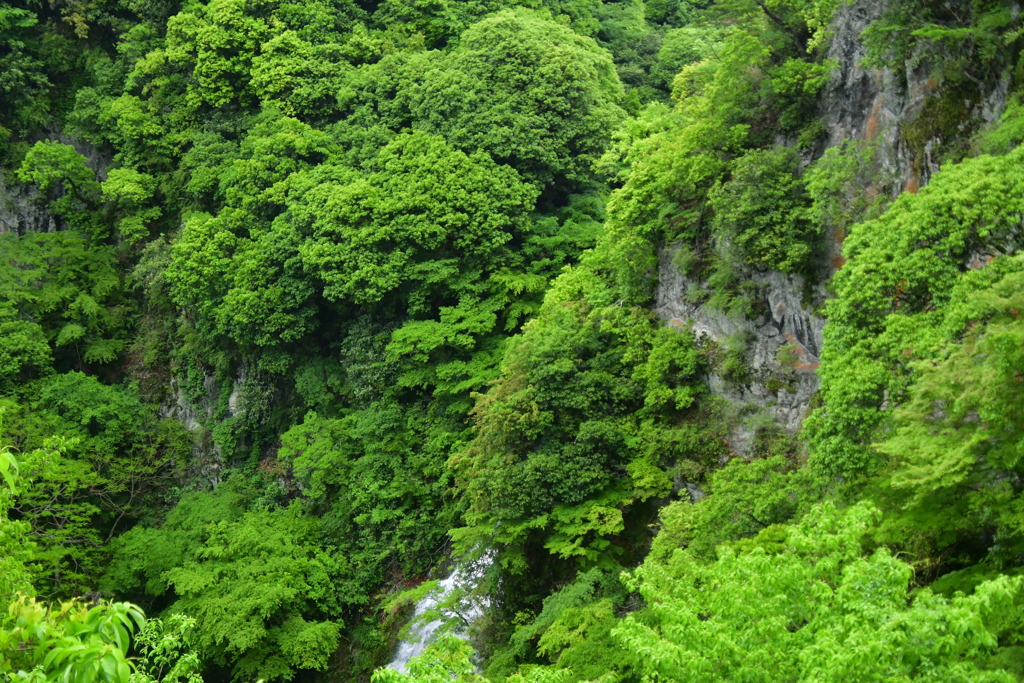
[(751, 79), (959, 437), (298, 76), (62, 176), (666, 188), (236, 50), (56, 502), (426, 220), (846, 186), (815, 609), (130, 191), (796, 83), (597, 405), (682, 47), (239, 275), (893, 297), (529, 92), (72, 642), (426, 215), (247, 577), (69, 289), (1006, 134), (80, 643), (165, 652), (55, 165), (440, 21), (743, 499), (340, 219), (804, 602), (446, 660)]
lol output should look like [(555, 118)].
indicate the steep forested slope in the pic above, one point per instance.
[(302, 301)]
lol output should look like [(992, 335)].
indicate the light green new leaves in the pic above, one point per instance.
[(8, 467), (71, 643), (894, 293), (53, 164), (446, 661), (959, 437), (818, 610), (130, 191), (248, 578)]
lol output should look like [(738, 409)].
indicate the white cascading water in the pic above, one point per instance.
[(465, 577)]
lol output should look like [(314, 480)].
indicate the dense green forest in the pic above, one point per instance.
[(304, 302)]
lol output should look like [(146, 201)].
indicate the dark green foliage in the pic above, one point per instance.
[(424, 220), (957, 43), (682, 47), (572, 631), (587, 411), (379, 486), (115, 462), (742, 500), (762, 210), (24, 81), (62, 176), (392, 264), (24, 352)]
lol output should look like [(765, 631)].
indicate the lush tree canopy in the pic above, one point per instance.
[(304, 301)]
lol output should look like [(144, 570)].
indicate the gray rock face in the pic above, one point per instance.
[(207, 459), (22, 211), (783, 343), (782, 348), (877, 104)]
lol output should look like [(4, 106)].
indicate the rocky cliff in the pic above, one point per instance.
[(878, 106)]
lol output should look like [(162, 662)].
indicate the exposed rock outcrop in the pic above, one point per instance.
[(21, 209), (782, 342), (782, 347)]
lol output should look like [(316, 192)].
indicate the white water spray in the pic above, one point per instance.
[(464, 578)]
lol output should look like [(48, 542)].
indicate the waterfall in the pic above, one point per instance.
[(464, 578)]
